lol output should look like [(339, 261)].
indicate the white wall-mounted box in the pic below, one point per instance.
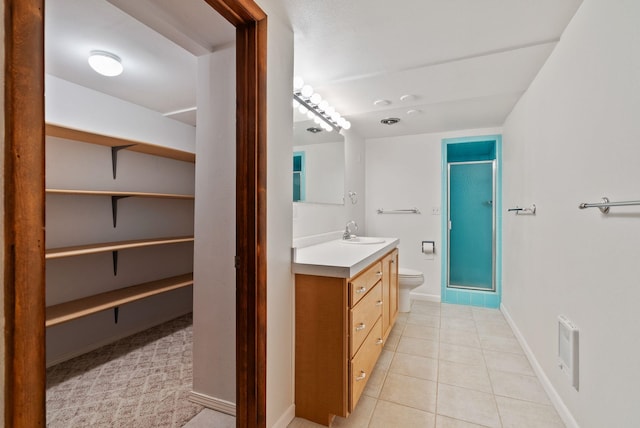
[(568, 349)]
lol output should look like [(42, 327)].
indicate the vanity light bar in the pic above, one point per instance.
[(314, 108), (311, 101)]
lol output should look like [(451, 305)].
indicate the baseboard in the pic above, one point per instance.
[(424, 297), (556, 400), (286, 417), (213, 403)]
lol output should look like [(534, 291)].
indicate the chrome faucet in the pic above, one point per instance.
[(348, 233)]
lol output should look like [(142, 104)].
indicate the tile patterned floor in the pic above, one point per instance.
[(451, 366), (140, 381)]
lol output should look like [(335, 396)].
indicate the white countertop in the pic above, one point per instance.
[(337, 259)]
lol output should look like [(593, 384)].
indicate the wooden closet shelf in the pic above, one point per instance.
[(74, 309), (105, 140), (79, 250), (118, 194)]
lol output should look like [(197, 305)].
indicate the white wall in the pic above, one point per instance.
[(280, 310), (405, 172), (314, 218), (104, 114), (354, 155), (573, 138), (214, 291)]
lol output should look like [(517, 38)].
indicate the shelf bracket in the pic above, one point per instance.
[(114, 207), (116, 312), (115, 262), (114, 157)]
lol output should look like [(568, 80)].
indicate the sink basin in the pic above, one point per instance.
[(363, 240)]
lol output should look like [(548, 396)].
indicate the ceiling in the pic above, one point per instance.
[(463, 63)]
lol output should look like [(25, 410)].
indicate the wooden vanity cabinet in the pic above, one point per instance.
[(341, 327), (390, 291)]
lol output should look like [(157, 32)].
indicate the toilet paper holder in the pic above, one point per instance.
[(428, 247)]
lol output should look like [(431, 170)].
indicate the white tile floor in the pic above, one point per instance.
[(445, 366), (451, 366)]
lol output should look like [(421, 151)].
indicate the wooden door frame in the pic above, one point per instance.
[(23, 246)]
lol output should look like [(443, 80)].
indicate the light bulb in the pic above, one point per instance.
[(311, 114), (329, 111), (335, 116), (347, 124), (302, 109), (307, 91), (296, 104), (315, 98), (317, 120), (298, 83), (323, 105)]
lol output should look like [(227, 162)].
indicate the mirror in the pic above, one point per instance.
[(318, 164)]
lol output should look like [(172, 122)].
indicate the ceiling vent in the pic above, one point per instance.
[(390, 121)]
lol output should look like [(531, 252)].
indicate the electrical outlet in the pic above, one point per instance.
[(435, 211)]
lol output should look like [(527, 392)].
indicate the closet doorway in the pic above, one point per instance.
[(23, 218)]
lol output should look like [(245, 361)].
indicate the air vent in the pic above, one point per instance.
[(390, 121)]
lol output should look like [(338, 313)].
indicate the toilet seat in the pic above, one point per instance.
[(409, 273)]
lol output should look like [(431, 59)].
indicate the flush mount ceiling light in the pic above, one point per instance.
[(314, 130), (311, 103), (390, 121), (381, 102), (105, 63)]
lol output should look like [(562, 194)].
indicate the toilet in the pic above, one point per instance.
[(408, 279)]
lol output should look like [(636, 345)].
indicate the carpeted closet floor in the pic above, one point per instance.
[(140, 381)]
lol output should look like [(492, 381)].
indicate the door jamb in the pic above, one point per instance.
[(24, 241)]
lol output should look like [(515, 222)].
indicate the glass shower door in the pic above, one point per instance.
[(471, 225)]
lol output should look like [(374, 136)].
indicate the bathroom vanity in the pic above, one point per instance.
[(346, 304)]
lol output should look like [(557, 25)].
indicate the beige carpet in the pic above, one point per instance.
[(140, 381)]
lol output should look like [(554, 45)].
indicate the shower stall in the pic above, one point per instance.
[(471, 221)]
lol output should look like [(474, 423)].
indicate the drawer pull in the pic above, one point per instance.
[(379, 303), (379, 273), (361, 326), (379, 341), (362, 375), (361, 290)]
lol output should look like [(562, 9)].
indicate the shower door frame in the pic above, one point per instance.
[(493, 226), (464, 296)]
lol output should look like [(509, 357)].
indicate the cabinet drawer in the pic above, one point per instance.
[(363, 363), (364, 282), (363, 316)]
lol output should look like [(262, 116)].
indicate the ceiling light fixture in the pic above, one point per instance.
[(314, 130), (381, 102), (311, 102), (105, 63)]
